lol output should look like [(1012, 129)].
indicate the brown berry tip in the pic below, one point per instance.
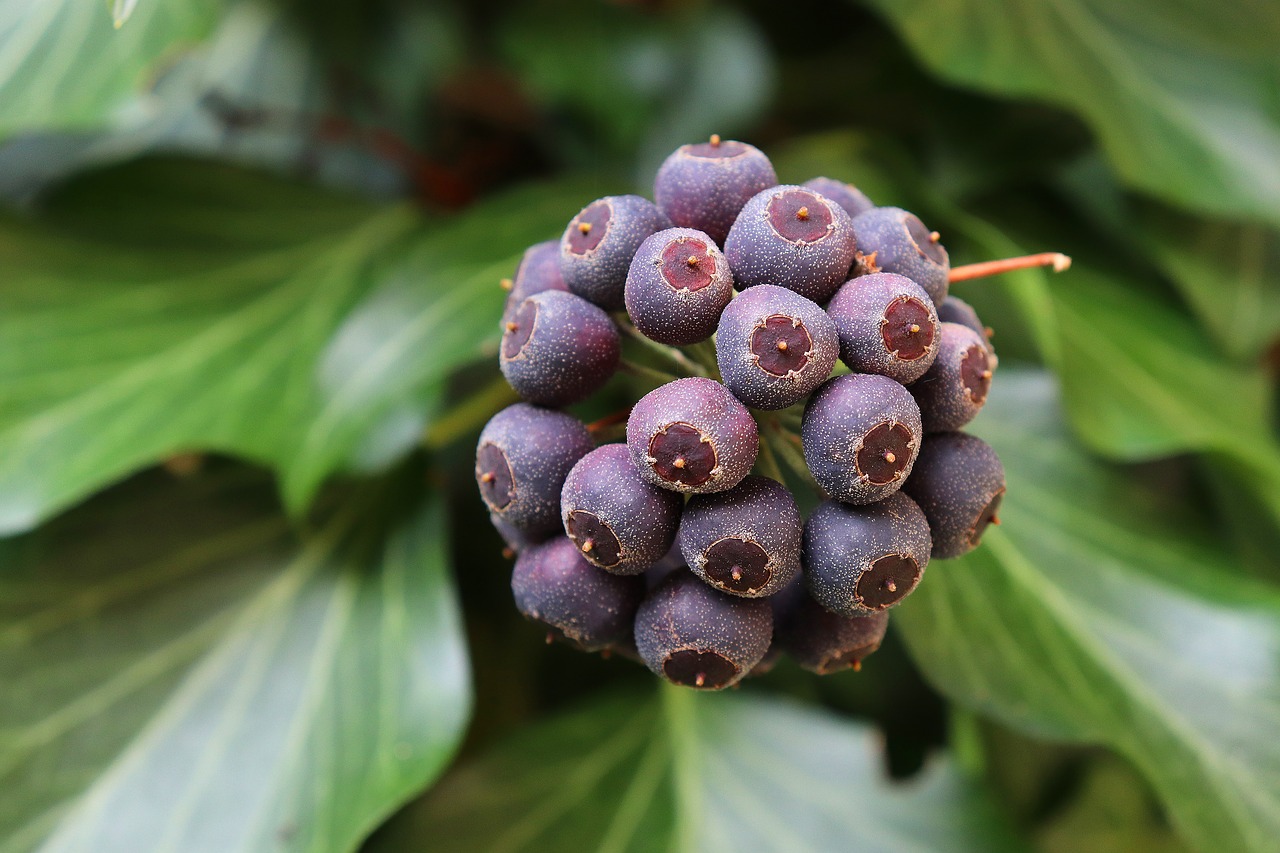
[(802, 214), (505, 284), (715, 139), (584, 227), (511, 326)]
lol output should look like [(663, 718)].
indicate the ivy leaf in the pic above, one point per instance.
[(1102, 610), (183, 670), (69, 64), (1181, 97), (174, 306), (701, 774)]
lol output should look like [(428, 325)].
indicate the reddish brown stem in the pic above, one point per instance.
[(1057, 260), (607, 421)]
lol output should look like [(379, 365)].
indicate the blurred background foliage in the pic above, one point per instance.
[(249, 254)]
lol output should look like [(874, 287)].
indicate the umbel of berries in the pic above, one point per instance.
[(685, 548)]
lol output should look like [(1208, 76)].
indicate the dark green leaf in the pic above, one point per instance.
[(1182, 96), (181, 671), (176, 305), (1103, 611), (66, 65), (1228, 271), (646, 82), (699, 773)]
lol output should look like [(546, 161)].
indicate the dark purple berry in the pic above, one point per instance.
[(744, 541), (863, 558), (523, 456), (692, 435), (558, 348), (579, 603), (774, 347), (852, 199), (792, 237), (887, 325), (955, 310), (692, 635), (620, 522), (703, 186), (959, 484), (598, 244), (861, 433), (824, 642), (955, 387), (900, 243), (539, 271), (678, 284)]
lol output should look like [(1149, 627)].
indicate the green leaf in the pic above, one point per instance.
[(1181, 96), (184, 672), (67, 64), (1140, 381), (698, 773), (1104, 611), (1229, 272), (177, 305), (642, 81)]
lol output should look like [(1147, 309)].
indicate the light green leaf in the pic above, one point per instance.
[(69, 64), (1181, 95), (175, 306), (701, 774), (1102, 610), (183, 672)]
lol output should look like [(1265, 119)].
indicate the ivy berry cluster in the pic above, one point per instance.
[(798, 326)]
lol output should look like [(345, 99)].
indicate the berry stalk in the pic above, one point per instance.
[(1057, 260)]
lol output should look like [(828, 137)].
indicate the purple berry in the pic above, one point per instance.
[(887, 325), (558, 349), (774, 347), (598, 244), (692, 635), (579, 603), (824, 642), (620, 523), (861, 433), (852, 199), (744, 541), (792, 237), (703, 186), (955, 310), (678, 284), (863, 558), (902, 244), (955, 387), (539, 271), (692, 435), (959, 484), (522, 458)]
